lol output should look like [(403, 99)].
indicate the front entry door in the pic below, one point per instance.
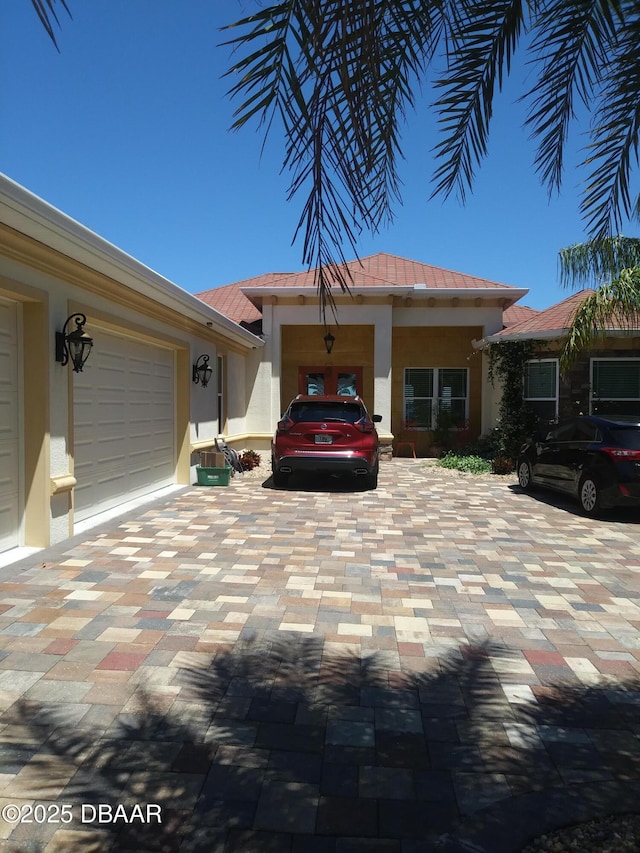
[(346, 381)]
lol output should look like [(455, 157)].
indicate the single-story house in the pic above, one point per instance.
[(167, 372), (606, 380), (403, 341)]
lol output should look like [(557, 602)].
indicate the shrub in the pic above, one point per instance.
[(249, 460), (503, 464), (507, 361), (486, 446), (468, 464)]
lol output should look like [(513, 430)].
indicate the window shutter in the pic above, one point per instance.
[(418, 382), (452, 382), (540, 380), (616, 379)]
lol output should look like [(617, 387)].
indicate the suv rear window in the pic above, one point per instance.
[(627, 437), (313, 412)]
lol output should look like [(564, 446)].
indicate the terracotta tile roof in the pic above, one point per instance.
[(385, 269), (557, 317), (380, 270), (231, 301), (517, 313)]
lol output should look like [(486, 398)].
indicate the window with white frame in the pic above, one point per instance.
[(428, 390), (615, 386), (541, 387)]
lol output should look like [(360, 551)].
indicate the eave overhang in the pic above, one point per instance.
[(545, 335), (508, 295), (28, 215)]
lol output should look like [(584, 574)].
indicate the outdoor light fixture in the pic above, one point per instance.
[(76, 345), (328, 342), (201, 371)]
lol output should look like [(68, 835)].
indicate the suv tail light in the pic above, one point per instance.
[(285, 424), (619, 454), (364, 425)]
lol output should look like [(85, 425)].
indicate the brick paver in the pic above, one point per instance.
[(441, 664)]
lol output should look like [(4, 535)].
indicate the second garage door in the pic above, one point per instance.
[(9, 444), (124, 423)]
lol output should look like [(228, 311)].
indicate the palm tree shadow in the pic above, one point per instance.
[(282, 739)]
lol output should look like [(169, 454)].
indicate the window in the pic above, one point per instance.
[(314, 383), (627, 437), (615, 386), (586, 431), (565, 432), (428, 390), (326, 411), (575, 431), (541, 387)]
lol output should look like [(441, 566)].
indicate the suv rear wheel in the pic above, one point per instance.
[(279, 478), (372, 479)]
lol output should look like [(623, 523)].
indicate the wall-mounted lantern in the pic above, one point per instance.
[(201, 371), (329, 340), (75, 345)]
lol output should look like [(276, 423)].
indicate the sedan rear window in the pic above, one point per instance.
[(627, 437), (313, 412)]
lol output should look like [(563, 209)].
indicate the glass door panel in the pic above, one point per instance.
[(347, 384), (313, 383), (346, 381)]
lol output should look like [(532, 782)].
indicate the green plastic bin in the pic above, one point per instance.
[(213, 476)]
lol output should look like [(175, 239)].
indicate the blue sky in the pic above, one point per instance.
[(126, 130)]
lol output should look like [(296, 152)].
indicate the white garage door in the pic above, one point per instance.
[(9, 424), (124, 416)]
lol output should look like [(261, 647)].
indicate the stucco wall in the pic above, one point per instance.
[(304, 346), (437, 346)]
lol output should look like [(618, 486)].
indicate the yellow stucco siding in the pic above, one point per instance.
[(436, 346), (304, 346)]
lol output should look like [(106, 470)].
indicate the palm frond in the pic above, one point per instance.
[(615, 305), (571, 43), (616, 134), (482, 37), (46, 11), (340, 78), (599, 261)]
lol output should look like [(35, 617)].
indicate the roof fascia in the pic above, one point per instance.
[(545, 335), (513, 294), (32, 216), (549, 334)]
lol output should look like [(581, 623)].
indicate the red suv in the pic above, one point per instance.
[(326, 434)]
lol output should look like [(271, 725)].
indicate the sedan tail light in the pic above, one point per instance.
[(620, 454)]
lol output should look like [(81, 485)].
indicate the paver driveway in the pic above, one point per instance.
[(441, 664)]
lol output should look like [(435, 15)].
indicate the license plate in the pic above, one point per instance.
[(324, 439)]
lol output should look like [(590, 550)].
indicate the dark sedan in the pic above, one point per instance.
[(594, 459)]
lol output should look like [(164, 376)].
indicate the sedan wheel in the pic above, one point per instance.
[(589, 495), (524, 475)]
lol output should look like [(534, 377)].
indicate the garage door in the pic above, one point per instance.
[(9, 436), (124, 414)]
